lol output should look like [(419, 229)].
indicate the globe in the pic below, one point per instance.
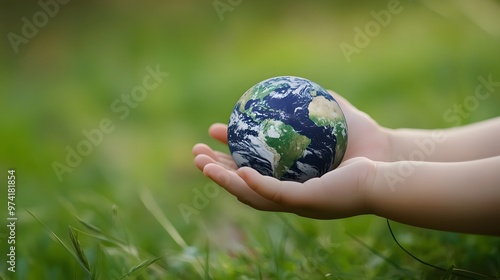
[(289, 128)]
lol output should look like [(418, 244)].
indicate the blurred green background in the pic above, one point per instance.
[(88, 54)]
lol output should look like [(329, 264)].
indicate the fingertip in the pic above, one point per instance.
[(256, 181), (201, 161), (217, 173), (217, 125), (208, 168), (217, 128), (246, 173), (218, 131), (197, 148)]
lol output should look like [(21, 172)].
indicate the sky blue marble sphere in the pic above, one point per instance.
[(289, 128)]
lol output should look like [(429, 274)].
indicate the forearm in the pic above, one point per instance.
[(461, 196), (475, 141)]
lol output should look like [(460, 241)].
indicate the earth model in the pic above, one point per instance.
[(289, 128)]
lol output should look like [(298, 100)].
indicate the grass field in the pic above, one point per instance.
[(103, 100)]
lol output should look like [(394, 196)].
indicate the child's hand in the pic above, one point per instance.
[(456, 196), (365, 137), (339, 193)]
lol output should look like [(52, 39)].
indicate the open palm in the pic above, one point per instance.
[(337, 194)]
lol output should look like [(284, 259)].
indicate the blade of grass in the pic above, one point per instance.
[(127, 248), (125, 245), (151, 205), (117, 219), (98, 260), (207, 262), (279, 254), (148, 201), (452, 269), (303, 238), (449, 273), (375, 252), (73, 235), (140, 267), (60, 241), (88, 225)]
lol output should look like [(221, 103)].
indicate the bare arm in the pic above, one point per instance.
[(474, 141), (461, 196), (442, 179)]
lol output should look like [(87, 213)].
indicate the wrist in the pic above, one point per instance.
[(392, 138), (415, 144), (381, 189), (372, 186)]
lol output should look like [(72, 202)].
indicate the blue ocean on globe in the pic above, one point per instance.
[(289, 128)]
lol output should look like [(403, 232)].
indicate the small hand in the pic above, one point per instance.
[(337, 194), (221, 168), (365, 137), (437, 195)]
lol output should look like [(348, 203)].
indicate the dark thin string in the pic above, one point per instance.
[(454, 270)]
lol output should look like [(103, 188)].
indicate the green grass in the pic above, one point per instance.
[(287, 249), (118, 214)]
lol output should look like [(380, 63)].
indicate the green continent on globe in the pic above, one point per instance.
[(254, 93), (341, 134), (320, 112), (285, 143), (289, 128)]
